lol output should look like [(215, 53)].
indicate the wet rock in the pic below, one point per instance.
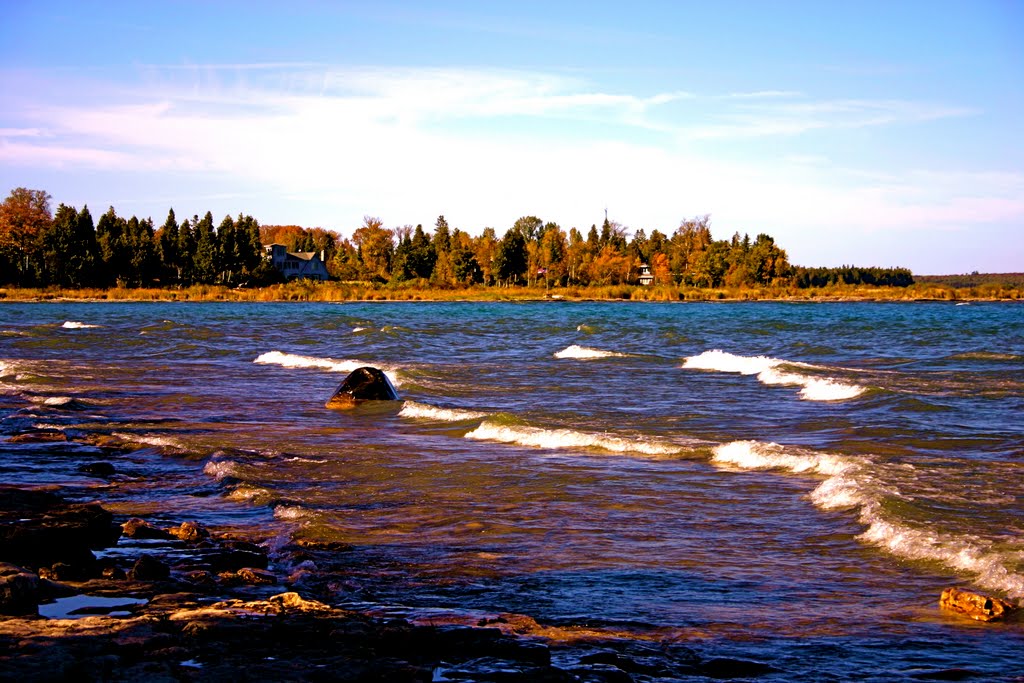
[(975, 605), (19, 590), (39, 529), (363, 384), (249, 576), (201, 578), (233, 560), (190, 532), (98, 469), (148, 568), (62, 571), (141, 529)]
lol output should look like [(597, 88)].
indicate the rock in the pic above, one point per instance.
[(363, 384), (190, 532), (233, 560), (98, 469), (140, 528), (148, 568), (250, 576), (39, 436), (975, 605), (19, 590), (39, 529), (62, 571)]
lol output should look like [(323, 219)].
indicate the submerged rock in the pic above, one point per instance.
[(19, 590), (40, 529), (975, 605), (363, 384)]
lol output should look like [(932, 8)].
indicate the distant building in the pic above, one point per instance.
[(297, 264), (645, 275)]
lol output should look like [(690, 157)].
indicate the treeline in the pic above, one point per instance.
[(67, 249)]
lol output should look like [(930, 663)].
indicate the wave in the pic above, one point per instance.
[(557, 439), (413, 409), (768, 373), (220, 469), (856, 483), (151, 440), (73, 325), (585, 353), (291, 360)]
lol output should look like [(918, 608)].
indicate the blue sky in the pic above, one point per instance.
[(872, 133)]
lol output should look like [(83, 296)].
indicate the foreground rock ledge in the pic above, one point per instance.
[(975, 605)]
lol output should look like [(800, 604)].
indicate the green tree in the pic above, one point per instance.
[(510, 260), (187, 251), (167, 249), (204, 259)]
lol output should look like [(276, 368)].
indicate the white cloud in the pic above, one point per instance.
[(326, 146)]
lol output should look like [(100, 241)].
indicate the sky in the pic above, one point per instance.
[(865, 133)]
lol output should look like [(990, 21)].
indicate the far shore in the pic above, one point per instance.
[(312, 291)]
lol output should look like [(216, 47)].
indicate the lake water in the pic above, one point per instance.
[(793, 483)]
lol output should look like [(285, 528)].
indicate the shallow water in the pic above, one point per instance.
[(793, 483)]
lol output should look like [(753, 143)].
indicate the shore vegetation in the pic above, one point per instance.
[(46, 255)]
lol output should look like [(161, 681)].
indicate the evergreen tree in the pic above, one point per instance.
[(204, 260), (186, 252), (510, 259), (167, 249)]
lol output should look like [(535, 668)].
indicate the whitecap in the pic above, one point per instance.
[(413, 409), (151, 440), (959, 552), (585, 353), (74, 325), (292, 512), (768, 373), (757, 455), (292, 360), (556, 439), (219, 469)]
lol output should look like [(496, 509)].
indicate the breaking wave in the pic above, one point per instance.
[(769, 373), (856, 484), (292, 360), (74, 325), (557, 439), (413, 409), (585, 353)]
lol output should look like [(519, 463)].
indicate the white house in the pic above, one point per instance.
[(297, 264), (645, 275)]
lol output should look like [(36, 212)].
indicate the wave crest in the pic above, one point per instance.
[(75, 325), (585, 353), (413, 409), (292, 360), (557, 439), (768, 373)]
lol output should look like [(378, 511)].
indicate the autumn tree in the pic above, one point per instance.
[(24, 216), (375, 246)]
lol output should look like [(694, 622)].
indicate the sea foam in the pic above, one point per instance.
[(769, 373), (74, 325), (556, 439), (585, 353), (292, 360), (413, 409), (857, 484)]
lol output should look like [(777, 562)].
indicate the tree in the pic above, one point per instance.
[(111, 239), (24, 216), (204, 259), (376, 248), (510, 259), (167, 249)]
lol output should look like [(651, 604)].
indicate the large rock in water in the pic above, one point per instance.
[(363, 384), (975, 605)]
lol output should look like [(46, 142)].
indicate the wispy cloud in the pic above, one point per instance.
[(490, 145)]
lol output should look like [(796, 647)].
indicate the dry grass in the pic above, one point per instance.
[(364, 291)]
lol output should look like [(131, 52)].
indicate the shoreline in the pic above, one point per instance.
[(305, 292)]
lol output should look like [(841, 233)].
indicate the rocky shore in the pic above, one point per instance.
[(87, 596)]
